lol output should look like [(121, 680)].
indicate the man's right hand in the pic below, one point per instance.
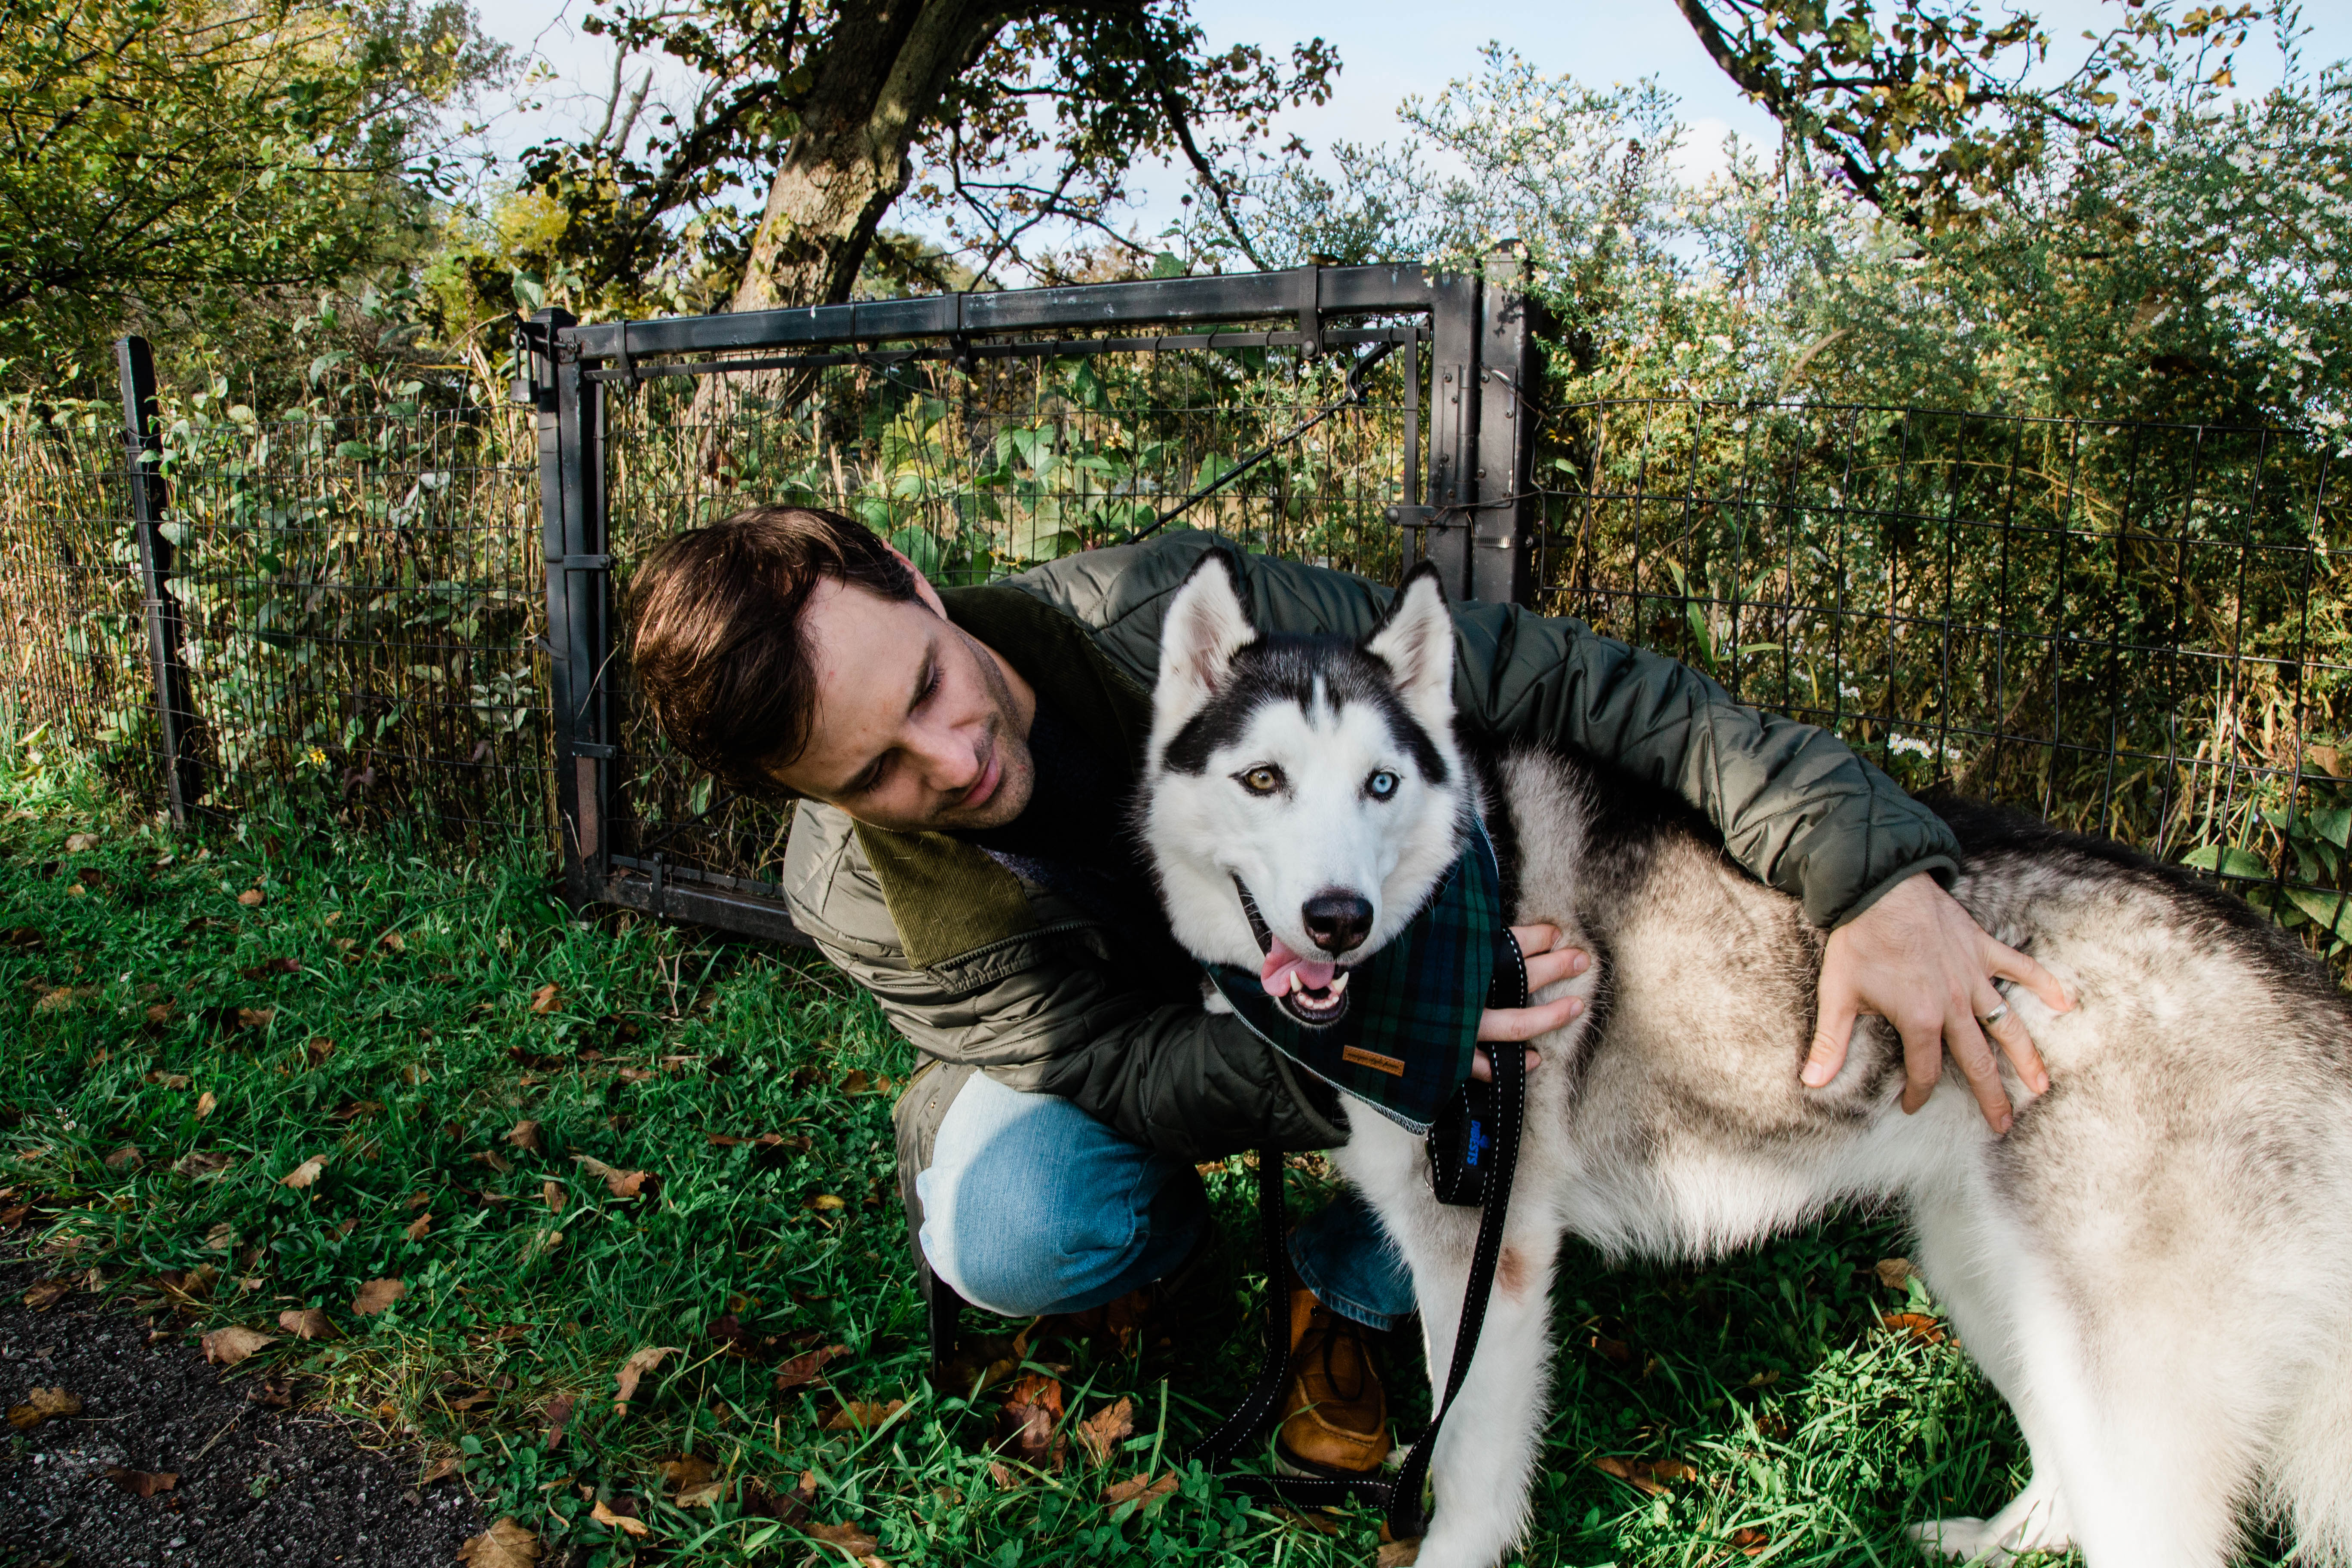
[(1550, 961)]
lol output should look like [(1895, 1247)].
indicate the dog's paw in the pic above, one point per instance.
[(1993, 1542), (1969, 1541)]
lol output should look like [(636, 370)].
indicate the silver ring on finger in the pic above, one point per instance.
[(1995, 1016)]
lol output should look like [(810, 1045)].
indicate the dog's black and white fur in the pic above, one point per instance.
[(2154, 1266)]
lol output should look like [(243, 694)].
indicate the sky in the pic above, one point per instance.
[(1388, 51)]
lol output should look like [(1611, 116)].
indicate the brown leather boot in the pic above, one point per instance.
[(1335, 1419)]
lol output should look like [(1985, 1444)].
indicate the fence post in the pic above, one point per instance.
[(142, 451), (1454, 341), (571, 530), (1502, 531)]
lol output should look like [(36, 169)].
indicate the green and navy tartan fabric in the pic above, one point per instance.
[(1405, 1045)]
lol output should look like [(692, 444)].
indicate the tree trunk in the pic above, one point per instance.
[(879, 83)]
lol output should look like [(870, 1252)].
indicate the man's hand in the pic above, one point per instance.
[(1549, 962), (1916, 959)]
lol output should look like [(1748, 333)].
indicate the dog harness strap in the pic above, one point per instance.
[(1258, 1404)]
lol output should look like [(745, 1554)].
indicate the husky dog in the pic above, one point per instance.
[(2154, 1267)]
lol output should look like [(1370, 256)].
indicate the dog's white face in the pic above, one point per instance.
[(1302, 794)]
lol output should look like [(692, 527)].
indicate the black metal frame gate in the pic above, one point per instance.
[(1476, 519)]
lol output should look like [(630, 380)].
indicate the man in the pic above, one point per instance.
[(966, 758)]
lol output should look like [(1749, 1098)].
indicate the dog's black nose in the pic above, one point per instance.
[(1338, 921)]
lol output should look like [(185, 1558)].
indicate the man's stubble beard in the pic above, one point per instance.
[(1018, 780)]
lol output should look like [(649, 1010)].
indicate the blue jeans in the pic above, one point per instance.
[(1031, 1205)]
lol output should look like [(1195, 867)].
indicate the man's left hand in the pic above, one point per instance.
[(1916, 959)]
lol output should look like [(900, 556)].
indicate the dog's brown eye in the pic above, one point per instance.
[(1262, 780)]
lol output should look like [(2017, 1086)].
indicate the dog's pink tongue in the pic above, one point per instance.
[(1281, 963)]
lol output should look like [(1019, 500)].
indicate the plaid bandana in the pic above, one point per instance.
[(1404, 1046)]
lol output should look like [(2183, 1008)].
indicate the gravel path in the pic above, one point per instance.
[(256, 1487)]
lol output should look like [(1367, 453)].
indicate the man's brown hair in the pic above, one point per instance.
[(720, 655)]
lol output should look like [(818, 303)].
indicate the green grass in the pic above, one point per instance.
[(1804, 1421)]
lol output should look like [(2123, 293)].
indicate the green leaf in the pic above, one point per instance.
[(2331, 911), (2227, 860), (2335, 826)]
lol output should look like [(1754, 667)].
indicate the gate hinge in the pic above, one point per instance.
[(581, 563)]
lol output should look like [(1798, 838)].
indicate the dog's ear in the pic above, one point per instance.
[(1416, 642), (1206, 626)]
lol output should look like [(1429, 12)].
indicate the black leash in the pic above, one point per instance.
[(1400, 1496)]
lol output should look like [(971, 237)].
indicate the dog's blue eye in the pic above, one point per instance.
[(1382, 785)]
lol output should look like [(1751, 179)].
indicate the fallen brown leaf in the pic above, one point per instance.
[(1648, 1476), (1101, 1434), (392, 942), (142, 1483), (202, 1165), (251, 898), (862, 1416), (47, 1294), (439, 1469), (1397, 1553), (1032, 1410), (269, 966), (126, 1158), (1894, 1271), (227, 1347), (824, 1202), (850, 1540), (624, 1382), (551, 1195), (40, 1406), (1751, 1543), (703, 1496), (620, 1184), (679, 1471), (169, 1080), (255, 1017), (304, 1174), (1141, 1489), (80, 843), (493, 1158), (801, 1370), (1918, 1325), (204, 1104), (505, 1544), (544, 999), (524, 1136), (377, 1295), (558, 1416), (316, 1051), (159, 1012), (278, 1393), (415, 1229), (605, 1516)]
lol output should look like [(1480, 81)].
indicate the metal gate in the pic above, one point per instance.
[(1296, 411)]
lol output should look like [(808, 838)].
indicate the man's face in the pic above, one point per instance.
[(917, 726)]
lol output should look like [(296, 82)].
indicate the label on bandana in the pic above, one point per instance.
[(1405, 1043)]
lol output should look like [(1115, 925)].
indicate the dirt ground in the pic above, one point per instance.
[(256, 1485)]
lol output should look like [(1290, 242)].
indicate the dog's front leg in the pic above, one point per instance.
[(1485, 1453)]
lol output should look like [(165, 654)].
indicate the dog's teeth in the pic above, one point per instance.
[(1296, 983), (1339, 983)]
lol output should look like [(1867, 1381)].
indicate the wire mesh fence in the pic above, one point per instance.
[(360, 601), (73, 631), (2133, 630), (980, 464)]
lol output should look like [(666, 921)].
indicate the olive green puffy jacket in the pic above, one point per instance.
[(981, 971)]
